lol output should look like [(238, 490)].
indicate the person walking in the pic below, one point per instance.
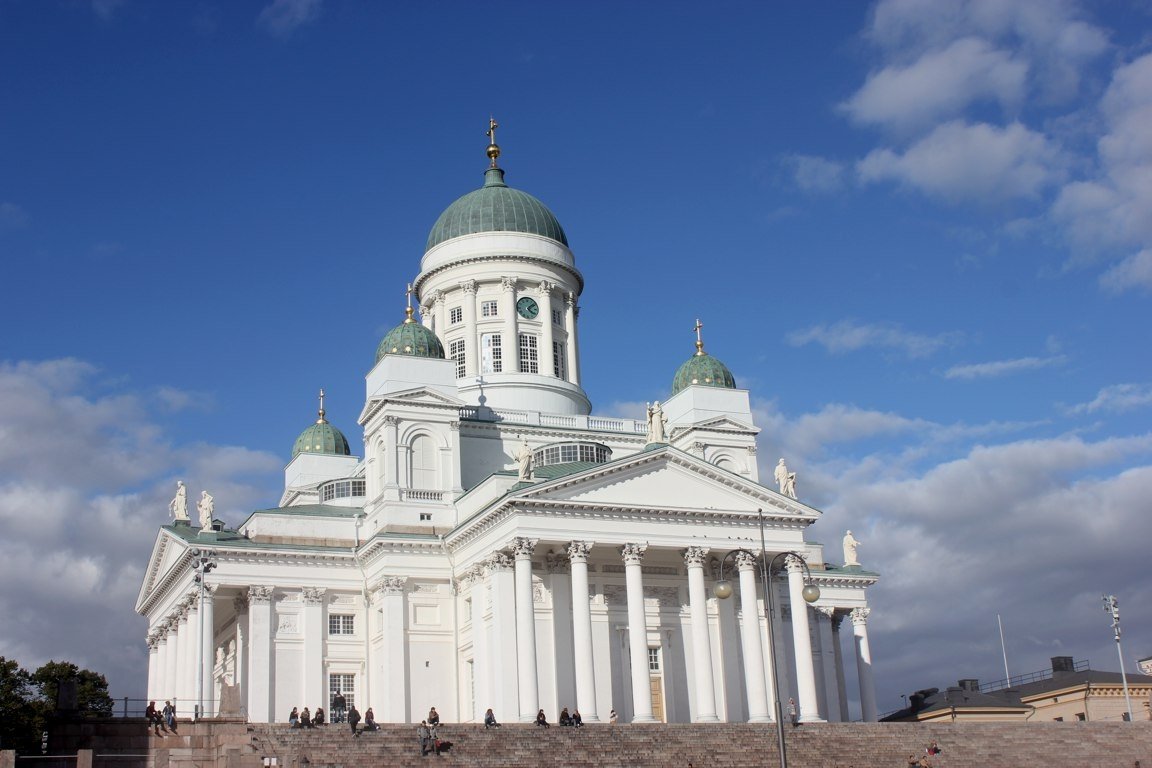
[(354, 720), (424, 735)]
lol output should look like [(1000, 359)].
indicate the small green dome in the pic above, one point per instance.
[(322, 437), (703, 370), (410, 338), (495, 207)]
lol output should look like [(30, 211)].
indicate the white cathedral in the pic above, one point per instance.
[(498, 545)]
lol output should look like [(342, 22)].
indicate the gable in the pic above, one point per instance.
[(719, 424)]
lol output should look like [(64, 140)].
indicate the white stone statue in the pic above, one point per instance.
[(179, 505), (207, 508), (785, 479), (850, 545), (657, 423), (524, 460)]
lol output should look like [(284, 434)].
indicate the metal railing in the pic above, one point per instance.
[(1030, 677)]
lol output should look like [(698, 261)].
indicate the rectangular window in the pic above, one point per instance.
[(345, 685), (557, 318), (455, 315), (528, 360), (488, 309), (341, 624), (425, 515), (653, 659), (491, 359), (558, 361), (456, 352)]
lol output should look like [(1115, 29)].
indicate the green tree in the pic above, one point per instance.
[(18, 716), (91, 688)]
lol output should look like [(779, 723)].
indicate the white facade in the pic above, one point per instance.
[(427, 573)]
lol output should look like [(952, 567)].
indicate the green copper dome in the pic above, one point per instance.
[(495, 207), (410, 338), (322, 437), (704, 370)]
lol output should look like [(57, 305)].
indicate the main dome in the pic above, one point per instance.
[(495, 207)]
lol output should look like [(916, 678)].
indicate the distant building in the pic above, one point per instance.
[(1068, 691), (498, 545)]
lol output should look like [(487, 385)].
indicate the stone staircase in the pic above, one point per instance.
[(825, 745)]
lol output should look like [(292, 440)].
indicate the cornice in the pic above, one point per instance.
[(427, 275)]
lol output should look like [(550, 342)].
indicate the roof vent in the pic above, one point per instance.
[(1063, 664)]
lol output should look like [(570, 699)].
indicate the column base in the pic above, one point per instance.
[(707, 719), (811, 719), (645, 719), (760, 719)]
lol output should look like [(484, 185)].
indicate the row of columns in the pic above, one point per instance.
[(515, 588), (435, 317)]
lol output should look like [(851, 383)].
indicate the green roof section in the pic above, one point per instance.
[(412, 339), (495, 207), (703, 370), (322, 438)]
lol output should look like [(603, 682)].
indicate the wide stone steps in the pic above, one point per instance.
[(829, 745)]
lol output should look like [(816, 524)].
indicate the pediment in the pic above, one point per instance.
[(418, 396), (666, 479), (720, 424), (167, 552)]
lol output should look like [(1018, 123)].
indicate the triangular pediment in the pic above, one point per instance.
[(665, 479), (167, 551), (418, 396), (720, 424)]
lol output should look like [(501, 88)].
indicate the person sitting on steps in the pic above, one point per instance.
[(433, 717), (155, 720), (370, 721), (490, 720), (542, 719), (318, 718), (565, 718), (577, 721)]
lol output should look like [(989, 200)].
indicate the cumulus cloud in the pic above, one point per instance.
[(851, 336), (1117, 398), (815, 174), (85, 479), (281, 18), (997, 368), (959, 161), (1133, 273), (939, 85)]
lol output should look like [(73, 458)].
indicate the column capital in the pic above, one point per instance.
[(523, 547), (390, 585), (795, 564), (745, 561), (556, 562), (859, 616), (695, 556), (498, 561), (468, 286), (837, 620), (454, 426), (260, 595), (391, 420), (570, 299), (633, 554), (545, 288), (240, 604), (578, 551), (825, 610), (507, 283), (314, 595), (436, 297)]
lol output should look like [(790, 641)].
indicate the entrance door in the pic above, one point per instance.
[(656, 682)]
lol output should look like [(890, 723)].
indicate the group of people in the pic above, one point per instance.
[(573, 720), (428, 732), (305, 719), (340, 713), (163, 720), (925, 760)]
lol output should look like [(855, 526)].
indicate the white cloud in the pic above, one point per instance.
[(977, 162), (939, 85), (281, 18), (1116, 398), (996, 368), (85, 479), (815, 174), (850, 336), (1134, 272)]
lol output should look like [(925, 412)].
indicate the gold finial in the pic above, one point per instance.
[(408, 309), (493, 148), (699, 341), (321, 419)]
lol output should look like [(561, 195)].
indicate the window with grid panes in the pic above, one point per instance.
[(341, 624), (653, 659), (491, 358), (489, 309), (558, 361), (529, 362), (557, 317), (345, 684), (455, 315), (456, 352)]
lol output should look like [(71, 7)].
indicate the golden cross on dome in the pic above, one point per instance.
[(493, 149), (699, 341), (408, 309), (321, 420)]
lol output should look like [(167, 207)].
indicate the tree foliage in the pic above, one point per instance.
[(28, 700)]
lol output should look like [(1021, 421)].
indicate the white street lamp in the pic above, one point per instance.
[(1112, 607)]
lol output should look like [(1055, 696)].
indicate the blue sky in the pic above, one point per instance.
[(920, 235)]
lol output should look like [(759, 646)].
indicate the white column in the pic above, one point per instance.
[(260, 655), (156, 689), (206, 694), (838, 655), (831, 705), (481, 662), (547, 335), (754, 679), (439, 313), (504, 674), (701, 644), (511, 337), (393, 691), (391, 439), (471, 338), (633, 555), (582, 631), (864, 664), (559, 688), (189, 629), (454, 461), (570, 313), (313, 689), (172, 660), (802, 644), (153, 662), (526, 631)]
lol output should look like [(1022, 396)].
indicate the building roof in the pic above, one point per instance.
[(412, 339), (322, 438), (703, 370), (495, 207)]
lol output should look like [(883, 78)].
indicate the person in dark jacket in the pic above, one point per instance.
[(354, 720)]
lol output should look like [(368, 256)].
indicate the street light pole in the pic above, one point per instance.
[(202, 564), (811, 594), (1112, 606)]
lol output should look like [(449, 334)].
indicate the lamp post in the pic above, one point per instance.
[(1112, 607), (811, 593), (201, 565)]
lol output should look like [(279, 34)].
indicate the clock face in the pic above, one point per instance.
[(528, 308)]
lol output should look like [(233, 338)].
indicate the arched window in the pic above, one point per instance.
[(423, 463)]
